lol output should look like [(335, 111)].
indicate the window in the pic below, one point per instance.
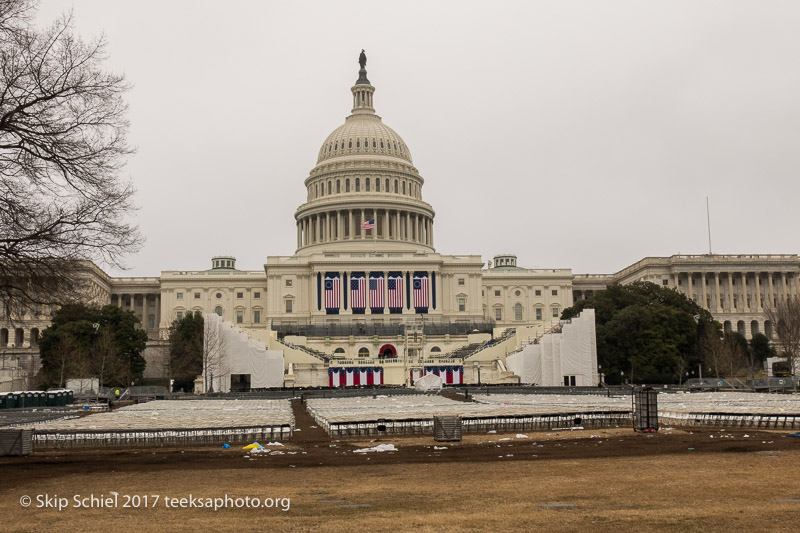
[(239, 316), (377, 185), (338, 186), (256, 294), (347, 185), (404, 187), (462, 304), (538, 313), (240, 295), (396, 186), (387, 185), (363, 352), (196, 296), (219, 295), (554, 292), (461, 281), (151, 321), (358, 184), (288, 283), (538, 292), (498, 313), (180, 315), (289, 306), (555, 312), (665, 282), (218, 310), (179, 296), (330, 185), (436, 349), (366, 184), (517, 293), (256, 317), (497, 293), (518, 312)]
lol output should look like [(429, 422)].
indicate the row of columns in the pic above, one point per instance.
[(390, 224), (786, 285), (17, 338), (144, 316)]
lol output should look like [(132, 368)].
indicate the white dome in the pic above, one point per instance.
[(364, 135)]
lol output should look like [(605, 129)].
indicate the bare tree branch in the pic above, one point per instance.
[(63, 146)]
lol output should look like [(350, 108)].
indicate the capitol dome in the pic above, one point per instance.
[(364, 194)]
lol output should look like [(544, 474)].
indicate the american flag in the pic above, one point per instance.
[(358, 292), (368, 224), (376, 292), (420, 291), (395, 286), (332, 289)]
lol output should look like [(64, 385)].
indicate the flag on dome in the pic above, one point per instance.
[(376, 287), (368, 224), (394, 286), (421, 292), (358, 292), (332, 290)]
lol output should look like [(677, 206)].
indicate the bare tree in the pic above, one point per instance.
[(215, 354), (68, 357), (108, 367), (62, 148), (785, 318)]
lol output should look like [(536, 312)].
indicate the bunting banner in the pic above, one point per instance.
[(421, 292), (358, 293), (355, 376), (333, 289), (376, 289), (394, 284)]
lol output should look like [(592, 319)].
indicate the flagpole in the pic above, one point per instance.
[(708, 220)]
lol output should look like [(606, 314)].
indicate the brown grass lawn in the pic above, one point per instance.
[(735, 487)]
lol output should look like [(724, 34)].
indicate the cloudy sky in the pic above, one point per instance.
[(576, 134)]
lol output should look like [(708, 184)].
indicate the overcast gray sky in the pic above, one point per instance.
[(579, 134)]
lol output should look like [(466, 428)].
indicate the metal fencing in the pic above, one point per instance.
[(160, 437), (731, 420)]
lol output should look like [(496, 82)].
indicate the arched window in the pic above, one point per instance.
[(381, 144), (396, 187), (316, 190), (347, 185), (436, 349), (338, 186), (350, 143), (218, 310), (387, 185), (768, 329), (330, 187), (339, 350), (358, 143), (753, 327), (378, 185), (34, 337), (358, 185), (404, 187), (3, 337), (363, 352), (374, 144), (366, 184), (518, 311)]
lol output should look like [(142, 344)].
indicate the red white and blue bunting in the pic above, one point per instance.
[(450, 374), (355, 376)]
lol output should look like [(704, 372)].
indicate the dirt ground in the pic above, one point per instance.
[(591, 480)]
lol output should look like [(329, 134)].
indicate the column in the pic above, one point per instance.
[(771, 291), (758, 291), (317, 229), (675, 281), (430, 229), (407, 236), (361, 222), (351, 234), (339, 236), (306, 227), (745, 306), (689, 285), (385, 228), (730, 291), (717, 296), (374, 230), (420, 237), (705, 293), (783, 282)]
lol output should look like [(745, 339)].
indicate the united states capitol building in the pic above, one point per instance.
[(366, 272)]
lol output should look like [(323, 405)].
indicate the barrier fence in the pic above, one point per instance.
[(160, 437), (731, 420), (424, 426)]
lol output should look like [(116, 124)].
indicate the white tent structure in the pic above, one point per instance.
[(428, 383), (566, 357), (232, 356)]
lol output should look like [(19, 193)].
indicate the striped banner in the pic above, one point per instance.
[(333, 289), (376, 288), (421, 292), (394, 284), (358, 292)]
